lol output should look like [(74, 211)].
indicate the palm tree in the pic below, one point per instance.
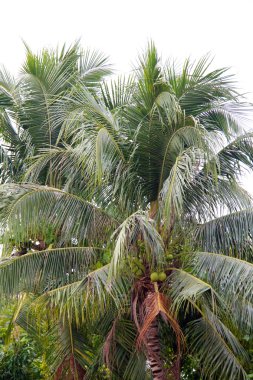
[(148, 230), (27, 118)]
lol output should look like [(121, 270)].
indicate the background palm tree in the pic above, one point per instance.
[(27, 118), (149, 233)]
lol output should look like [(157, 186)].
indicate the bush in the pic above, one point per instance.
[(19, 361)]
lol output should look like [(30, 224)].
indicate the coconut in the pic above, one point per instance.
[(154, 277), (135, 269), (162, 276)]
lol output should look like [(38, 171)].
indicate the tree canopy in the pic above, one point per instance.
[(122, 198)]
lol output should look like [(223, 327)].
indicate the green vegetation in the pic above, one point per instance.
[(20, 358), (131, 237)]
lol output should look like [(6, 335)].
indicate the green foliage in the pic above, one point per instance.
[(20, 358), (21, 361), (6, 312), (190, 369), (133, 185)]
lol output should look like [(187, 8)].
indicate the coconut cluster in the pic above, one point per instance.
[(155, 276), (137, 267)]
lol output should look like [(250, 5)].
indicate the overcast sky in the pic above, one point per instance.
[(121, 29)]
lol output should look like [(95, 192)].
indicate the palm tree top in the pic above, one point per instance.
[(132, 186)]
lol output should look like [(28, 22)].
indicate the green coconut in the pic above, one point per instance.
[(162, 276), (138, 263), (170, 256), (154, 277), (135, 269)]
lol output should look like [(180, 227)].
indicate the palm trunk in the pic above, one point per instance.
[(154, 353), (152, 343), (152, 338), (154, 357), (70, 369)]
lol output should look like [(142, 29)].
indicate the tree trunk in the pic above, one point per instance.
[(70, 369), (153, 347), (152, 343), (154, 353)]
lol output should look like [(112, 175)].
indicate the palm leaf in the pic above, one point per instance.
[(135, 227), (42, 270), (228, 275), (53, 207), (229, 232), (217, 348)]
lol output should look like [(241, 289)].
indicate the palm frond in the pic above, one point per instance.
[(118, 94), (65, 347), (9, 90), (71, 353), (228, 233), (85, 300), (186, 136), (93, 67), (40, 271), (69, 215), (155, 304), (185, 287), (137, 227), (208, 197), (181, 176), (236, 156), (228, 275), (219, 351)]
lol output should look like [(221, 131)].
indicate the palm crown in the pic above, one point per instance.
[(147, 231)]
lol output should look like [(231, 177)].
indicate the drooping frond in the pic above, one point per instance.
[(228, 116), (9, 90), (137, 227), (40, 271), (208, 197), (236, 156), (86, 299), (219, 351), (120, 353), (228, 275), (71, 354), (229, 233), (19, 305), (189, 291), (181, 175), (185, 287), (155, 304), (65, 346), (6, 165), (84, 109), (35, 208), (193, 136)]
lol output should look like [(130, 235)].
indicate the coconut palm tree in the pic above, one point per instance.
[(27, 118), (148, 231)]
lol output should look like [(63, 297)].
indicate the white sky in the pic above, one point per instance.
[(121, 29)]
